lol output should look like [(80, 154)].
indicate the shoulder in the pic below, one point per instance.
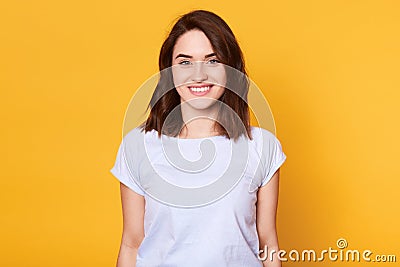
[(265, 141), (137, 133), (261, 135), (135, 137)]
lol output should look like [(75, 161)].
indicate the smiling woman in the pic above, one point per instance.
[(201, 51), (200, 204), (199, 79)]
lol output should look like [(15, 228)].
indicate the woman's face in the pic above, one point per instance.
[(198, 75)]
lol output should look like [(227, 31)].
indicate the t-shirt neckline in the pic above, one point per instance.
[(213, 137)]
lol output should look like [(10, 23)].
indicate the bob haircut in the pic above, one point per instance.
[(233, 119)]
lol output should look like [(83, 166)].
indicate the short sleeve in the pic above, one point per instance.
[(273, 156), (123, 174)]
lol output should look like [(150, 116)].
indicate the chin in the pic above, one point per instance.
[(201, 103)]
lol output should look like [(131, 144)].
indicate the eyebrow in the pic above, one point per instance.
[(187, 56)]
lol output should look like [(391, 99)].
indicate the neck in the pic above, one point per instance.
[(199, 123)]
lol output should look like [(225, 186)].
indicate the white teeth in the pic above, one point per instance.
[(200, 89)]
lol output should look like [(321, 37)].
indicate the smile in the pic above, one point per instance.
[(200, 89)]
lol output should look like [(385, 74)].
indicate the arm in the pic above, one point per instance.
[(267, 201), (133, 229)]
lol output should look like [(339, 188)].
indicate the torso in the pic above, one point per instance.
[(218, 233)]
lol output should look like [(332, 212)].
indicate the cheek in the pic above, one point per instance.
[(180, 75), (179, 89), (183, 93), (219, 92), (217, 75)]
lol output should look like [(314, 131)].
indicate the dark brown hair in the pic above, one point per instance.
[(233, 120)]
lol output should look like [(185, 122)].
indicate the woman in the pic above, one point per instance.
[(190, 218)]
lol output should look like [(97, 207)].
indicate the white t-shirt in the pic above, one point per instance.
[(193, 228)]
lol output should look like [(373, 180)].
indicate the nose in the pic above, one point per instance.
[(199, 73)]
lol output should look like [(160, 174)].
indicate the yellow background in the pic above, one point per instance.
[(329, 69)]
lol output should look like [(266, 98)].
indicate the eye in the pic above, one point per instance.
[(184, 62), (213, 61)]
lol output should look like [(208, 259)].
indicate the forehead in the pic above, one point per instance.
[(194, 43)]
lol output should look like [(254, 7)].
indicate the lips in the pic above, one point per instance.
[(201, 89)]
